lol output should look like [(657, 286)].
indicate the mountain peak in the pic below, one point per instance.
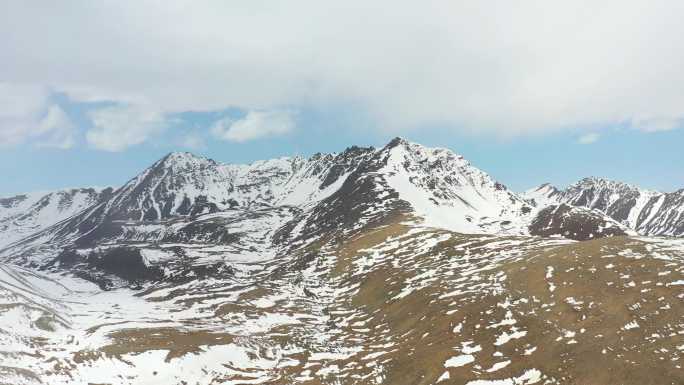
[(547, 187), (598, 182), (400, 142), (180, 160), (179, 156), (543, 195), (397, 141)]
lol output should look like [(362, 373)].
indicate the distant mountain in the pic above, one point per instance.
[(25, 214), (647, 212), (576, 223)]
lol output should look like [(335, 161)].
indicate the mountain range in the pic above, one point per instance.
[(647, 212), (389, 265), (437, 185), (25, 214)]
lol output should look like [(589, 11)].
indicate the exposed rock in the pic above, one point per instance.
[(574, 223), (647, 212)]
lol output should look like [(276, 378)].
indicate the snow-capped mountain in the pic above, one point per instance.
[(647, 212), (185, 185), (449, 192), (182, 188), (182, 184), (432, 185), (439, 185), (187, 197), (26, 214)]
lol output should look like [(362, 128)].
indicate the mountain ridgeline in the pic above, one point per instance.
[(435, 184), (186, 198), (646, 212), (26, 214)]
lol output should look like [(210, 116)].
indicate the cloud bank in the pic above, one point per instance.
[(485, 67)]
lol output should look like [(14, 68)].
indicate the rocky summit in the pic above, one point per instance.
[(395, 265)]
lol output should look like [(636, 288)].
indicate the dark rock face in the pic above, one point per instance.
[(101, 267), (344, 163), (120, 266), (125, 263), (150, 195), (574, 223), (354, 205), (599, 194), (12, 201), (211, 231)]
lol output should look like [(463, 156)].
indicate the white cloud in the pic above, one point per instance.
[(115, 128), (655, 124), (589, 138), (506, 68), (20, 108), (56, 129), (21, 100), (27, 114), (255, 125)]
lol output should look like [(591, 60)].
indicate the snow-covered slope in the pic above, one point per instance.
[(542, 196), (451, 193), (182, 184), (26, 214), (396, 304), (648, 212)]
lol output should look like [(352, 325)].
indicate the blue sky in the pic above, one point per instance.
[(649, 159), (92, 93)]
